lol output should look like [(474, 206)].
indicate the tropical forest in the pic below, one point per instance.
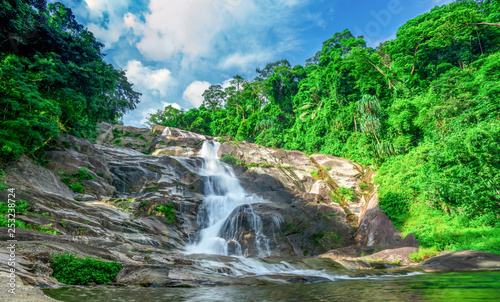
[(356, 175)]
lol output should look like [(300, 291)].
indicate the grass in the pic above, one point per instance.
[(74, 181), (21, 206), (423, 254), (346, 193), (314, 173), (230, 159)]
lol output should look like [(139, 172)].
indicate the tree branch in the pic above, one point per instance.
[(484, 23)]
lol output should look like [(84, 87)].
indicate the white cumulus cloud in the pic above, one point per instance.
[(189, 27), (106, 19), (147, 79), (246, 61), (194, 93)]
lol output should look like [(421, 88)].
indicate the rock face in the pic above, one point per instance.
[(464, 260), (375, 228), (119, 185), (22, 292)]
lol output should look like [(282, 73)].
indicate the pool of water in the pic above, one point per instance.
[(472, 286)]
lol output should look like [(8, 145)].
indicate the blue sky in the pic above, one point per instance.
[(172, 50)]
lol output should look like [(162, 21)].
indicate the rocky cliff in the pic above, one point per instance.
[(104, 199)]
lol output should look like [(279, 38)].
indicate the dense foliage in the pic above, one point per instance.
[(53, 78), (423, 108), (71, 270)]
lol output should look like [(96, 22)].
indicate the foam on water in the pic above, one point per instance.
[(224, 196)]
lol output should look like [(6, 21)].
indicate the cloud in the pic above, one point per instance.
[(106, 19), (193, 93), (244, 61), (154, 84), (316, 18), (197, 31), (189, 27), (148, 80)]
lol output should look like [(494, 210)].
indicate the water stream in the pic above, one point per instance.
[(227, 221), (229, 226)]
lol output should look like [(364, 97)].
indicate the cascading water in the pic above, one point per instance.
[(229, 226), (227, 221)]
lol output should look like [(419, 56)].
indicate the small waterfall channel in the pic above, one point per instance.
[(227, 221)]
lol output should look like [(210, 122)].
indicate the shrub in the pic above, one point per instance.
[(230, 159), (2, 186), (83, 174), (347, 193), (76, 187), (169, 211), (423, 254), (71, 270)]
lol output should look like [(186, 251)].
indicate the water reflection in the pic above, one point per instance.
[(478, 286)]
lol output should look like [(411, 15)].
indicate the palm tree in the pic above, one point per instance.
[(369, 111), (316, 101)]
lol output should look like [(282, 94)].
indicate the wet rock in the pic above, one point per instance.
[(175, 151), (143, 275), (183, 261), (399, 256), (464, 260), (359, 251)]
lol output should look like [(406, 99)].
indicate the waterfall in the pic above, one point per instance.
[(227, 222)]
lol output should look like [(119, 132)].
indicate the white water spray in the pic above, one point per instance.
[(226, 211)]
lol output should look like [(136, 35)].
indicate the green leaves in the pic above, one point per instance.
[(71, 270), (169, 211), (53, 78)]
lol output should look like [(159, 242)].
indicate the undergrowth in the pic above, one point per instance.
[(72, 270)]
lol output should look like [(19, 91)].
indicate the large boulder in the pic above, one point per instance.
[(28, 175), (375, 228), (464, 260)]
